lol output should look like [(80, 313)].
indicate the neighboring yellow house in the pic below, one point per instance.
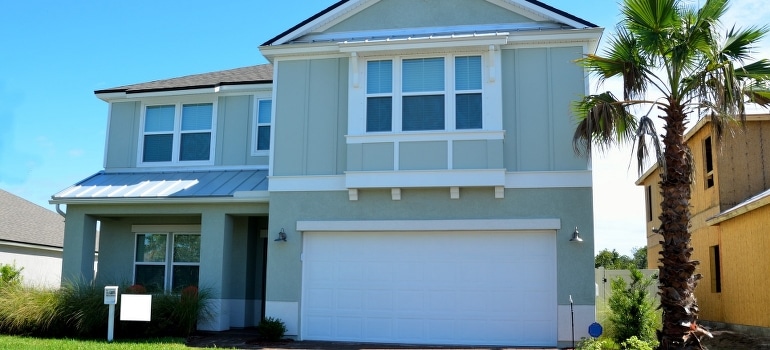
[(730, 222)]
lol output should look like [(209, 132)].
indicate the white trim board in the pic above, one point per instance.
[(431, 225)]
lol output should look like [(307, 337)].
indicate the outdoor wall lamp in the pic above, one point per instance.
[(281, 236), (576, 236)]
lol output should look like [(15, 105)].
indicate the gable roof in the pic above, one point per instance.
[(259, 74), (22, 221), (296, 31)]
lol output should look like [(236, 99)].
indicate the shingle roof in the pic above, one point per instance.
[(22, 221), (262, 73)]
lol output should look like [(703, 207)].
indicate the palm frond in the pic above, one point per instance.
[(651, 21), (739, 43), (645, 130), (603, 121)]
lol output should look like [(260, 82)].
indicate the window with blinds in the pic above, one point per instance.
[(428, 94), (177, 133)]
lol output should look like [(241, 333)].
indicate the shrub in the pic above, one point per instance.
[(635, 343), (632, 311), (10, 275), (271, 329), (78, 310), (596, 344)]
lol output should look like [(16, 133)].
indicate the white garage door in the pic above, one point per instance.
[(472, 288)]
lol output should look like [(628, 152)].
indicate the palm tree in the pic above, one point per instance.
[(695, 69)]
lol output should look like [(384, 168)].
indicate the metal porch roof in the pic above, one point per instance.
[(182, 184)]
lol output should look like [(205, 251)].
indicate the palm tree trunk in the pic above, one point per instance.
[(677, 278)]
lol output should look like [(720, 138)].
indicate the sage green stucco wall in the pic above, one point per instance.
[(233, 134), (122, 135), (311, 107), (571, 205), (235, 139), (399, 14), (539, 85), (229, 234)]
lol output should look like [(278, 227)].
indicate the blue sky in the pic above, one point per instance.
[(54, 54)]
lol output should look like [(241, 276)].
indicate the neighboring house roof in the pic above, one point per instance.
[(239, 76), (748, 205), (295, 30), (181, 184), (22, 221)]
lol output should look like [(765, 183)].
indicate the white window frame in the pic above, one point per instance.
[(170, 233), (177, 134), (491, 93), (256, 124)]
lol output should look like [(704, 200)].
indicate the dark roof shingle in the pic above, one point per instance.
[(22, 221), (262, 73)]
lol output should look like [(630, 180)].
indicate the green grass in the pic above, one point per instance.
[(18, 342)]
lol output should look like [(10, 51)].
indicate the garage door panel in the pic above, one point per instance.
[(470, 288)]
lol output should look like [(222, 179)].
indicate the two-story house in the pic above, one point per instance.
[(730, 219), (401, 171)]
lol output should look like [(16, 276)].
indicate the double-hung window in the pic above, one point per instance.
[(177, 133), (424, 94), (167, 261), (264, 119)]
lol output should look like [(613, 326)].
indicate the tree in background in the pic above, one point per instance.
[(612, 260), (640, 257), (676, 60)]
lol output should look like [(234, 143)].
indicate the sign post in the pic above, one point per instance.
[(111, 298)]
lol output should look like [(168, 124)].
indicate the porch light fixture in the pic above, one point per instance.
[(281, 236), (576, 236)]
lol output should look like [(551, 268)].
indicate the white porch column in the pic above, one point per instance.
[(79, 247), (216, 245)]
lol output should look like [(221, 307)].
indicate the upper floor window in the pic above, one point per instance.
[(177, 133), (412, 94), (708, 162), (263, 122)]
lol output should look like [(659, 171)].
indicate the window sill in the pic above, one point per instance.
[(426, 136)]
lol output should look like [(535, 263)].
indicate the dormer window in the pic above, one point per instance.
[(177, 134), (424, 94)]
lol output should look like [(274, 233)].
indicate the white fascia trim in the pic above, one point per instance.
[(306, 183), (149, 169), (583, 35), (425, 136), (222, 90), (299, 49), (431, 225), (318, 22), (425, 178), (200, 200), (549, 179), (423, 43)]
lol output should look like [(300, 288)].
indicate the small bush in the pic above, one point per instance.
[(271, 329), (632, 311), (635, 343), (596, 344), (10, 275)]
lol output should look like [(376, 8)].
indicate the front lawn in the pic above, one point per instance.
[(18, 342)]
